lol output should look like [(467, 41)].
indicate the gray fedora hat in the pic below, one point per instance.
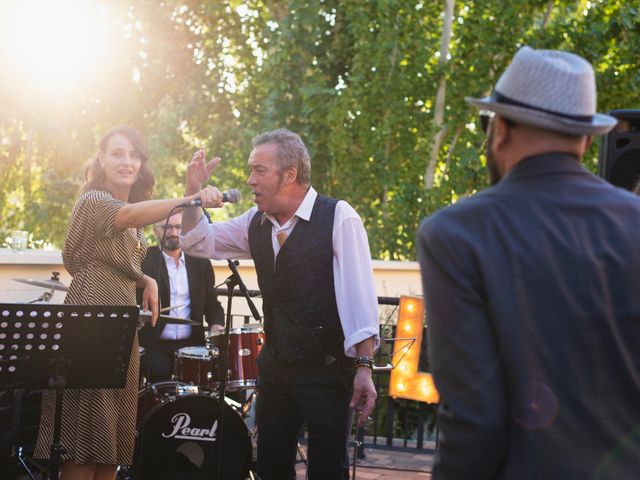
[(549, 89)]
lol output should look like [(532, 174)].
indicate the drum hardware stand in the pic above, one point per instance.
[(46, 335), (303, 455), (356, 445), (45, 297), (19, 453), (246, 405), (16, 415), (234, 280)]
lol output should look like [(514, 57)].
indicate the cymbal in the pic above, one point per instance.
[(146, 317), (52, 282)]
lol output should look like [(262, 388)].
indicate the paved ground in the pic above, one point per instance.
[(378, 465), (388, 465)]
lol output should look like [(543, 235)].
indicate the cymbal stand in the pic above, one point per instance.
[(19, 453), (232, 282), (45, 297)]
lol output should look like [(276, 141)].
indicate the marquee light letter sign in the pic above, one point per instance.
[(406, 381)]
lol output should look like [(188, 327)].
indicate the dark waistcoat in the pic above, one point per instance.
[(298, 296)]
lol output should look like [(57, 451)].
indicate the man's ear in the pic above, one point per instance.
[(587, 143), (501, 133), (290, 176)]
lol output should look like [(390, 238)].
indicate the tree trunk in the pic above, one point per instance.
[(387, 146), (452, 145), (438, 118), (547, 14)]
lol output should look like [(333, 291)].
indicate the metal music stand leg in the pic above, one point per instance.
[(14, 427), (59, 382)]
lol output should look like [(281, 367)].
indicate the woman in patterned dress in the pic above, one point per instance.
[(103, 251)]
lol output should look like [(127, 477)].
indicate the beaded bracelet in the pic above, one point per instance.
[(364, 361)]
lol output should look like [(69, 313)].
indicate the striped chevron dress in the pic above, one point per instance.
[(98, 426)]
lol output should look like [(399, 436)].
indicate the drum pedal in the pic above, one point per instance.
[(233, 403), (302, 453)]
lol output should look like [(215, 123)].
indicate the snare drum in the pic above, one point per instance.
[(179, 439), (162, 392), (197, 366), (245, 344)]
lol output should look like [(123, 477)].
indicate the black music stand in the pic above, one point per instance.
[(65, 346)]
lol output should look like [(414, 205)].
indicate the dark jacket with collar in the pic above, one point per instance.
[(204, 302), (533, 307)]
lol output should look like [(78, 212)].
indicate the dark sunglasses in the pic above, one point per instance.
[(484, 122), (485, 118)]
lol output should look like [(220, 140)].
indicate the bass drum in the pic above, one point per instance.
[(159, 393), (179, 439)]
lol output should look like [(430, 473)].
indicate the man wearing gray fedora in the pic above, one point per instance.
[(532, 293)]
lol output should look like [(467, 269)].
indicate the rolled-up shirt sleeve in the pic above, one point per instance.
[(353, 280)]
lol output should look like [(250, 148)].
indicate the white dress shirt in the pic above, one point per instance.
[(352, 267), (179, 297)]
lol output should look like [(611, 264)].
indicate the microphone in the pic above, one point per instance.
[(230, 196)]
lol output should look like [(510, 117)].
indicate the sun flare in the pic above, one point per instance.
[(53, 45)]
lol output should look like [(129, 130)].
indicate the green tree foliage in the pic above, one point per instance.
[(358, 80)]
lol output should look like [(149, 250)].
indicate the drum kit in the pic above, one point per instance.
[(179, 421)]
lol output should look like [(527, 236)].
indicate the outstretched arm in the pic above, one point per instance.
[(134, 215)]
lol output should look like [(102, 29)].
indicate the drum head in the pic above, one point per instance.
[(193, 352), (236, 331), (180, 440)]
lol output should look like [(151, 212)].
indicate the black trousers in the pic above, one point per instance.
[(291, 394)]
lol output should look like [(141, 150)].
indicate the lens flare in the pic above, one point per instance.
[(53, 45)]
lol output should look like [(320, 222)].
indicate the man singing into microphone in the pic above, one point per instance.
[(320, 308)]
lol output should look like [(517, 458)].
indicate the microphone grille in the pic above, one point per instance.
[(233, 195)]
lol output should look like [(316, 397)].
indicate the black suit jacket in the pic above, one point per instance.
[(532, 294), (204, 302)]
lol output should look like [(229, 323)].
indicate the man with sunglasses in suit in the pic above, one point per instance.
[(532, 293)]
